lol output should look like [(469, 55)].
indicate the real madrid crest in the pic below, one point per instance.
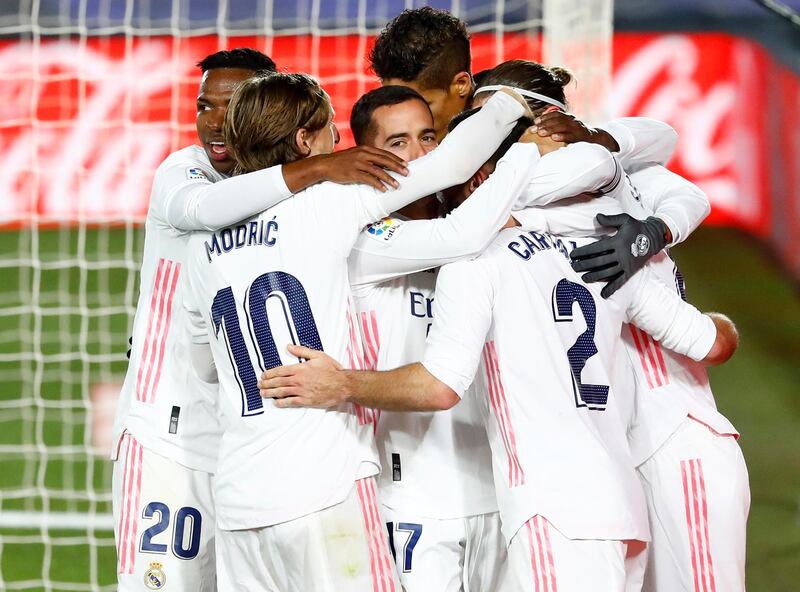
[(640, 246), (154, 577)]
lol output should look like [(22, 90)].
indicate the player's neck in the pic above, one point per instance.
[(425, 208)]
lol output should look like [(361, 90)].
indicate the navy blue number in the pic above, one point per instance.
[(223, 313), (415, 531), (390, 528), (147, 545), (195, 522), (299, 319), (565, 294)]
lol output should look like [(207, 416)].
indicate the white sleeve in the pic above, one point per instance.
[(676, 324), (202, 359), (462, 312), (642, 141), (198, 204), (460, 154), (392, 247), (681, 205), (578, 168), (574, 216)]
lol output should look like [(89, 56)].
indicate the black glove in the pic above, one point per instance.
[(130, 342), (616, 258)]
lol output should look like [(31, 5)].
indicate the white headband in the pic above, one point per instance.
[(524, 93)]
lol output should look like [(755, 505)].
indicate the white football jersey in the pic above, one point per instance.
[(438, 464), (276, 279), (667, 386), (545, 346), (282, 278), (435, 464), (163, 403)]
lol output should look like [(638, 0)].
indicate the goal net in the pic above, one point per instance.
[(95, 95)]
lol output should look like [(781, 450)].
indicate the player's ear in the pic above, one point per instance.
[(301, 138), (477, 179), (461, 85), (550, 109)]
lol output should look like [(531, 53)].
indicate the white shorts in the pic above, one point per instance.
[(698, 497), (460, 554), (541, 559), (163, 522), (342, 548)]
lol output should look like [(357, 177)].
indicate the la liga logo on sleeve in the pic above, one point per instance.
[(195, 173), (383, 230)]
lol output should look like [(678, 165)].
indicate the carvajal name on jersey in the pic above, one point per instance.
[(257, 232), (531, 242)]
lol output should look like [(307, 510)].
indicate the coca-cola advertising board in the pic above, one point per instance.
[(86, 122)]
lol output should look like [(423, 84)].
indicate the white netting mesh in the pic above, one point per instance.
[(95, 94)]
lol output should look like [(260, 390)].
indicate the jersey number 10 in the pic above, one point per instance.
[(293, 301)]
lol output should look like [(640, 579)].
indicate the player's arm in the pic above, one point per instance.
[(678, 208), (677, 325), (569, 171), (679, 204), (202, 359), (193, 202), (726, 342), (455, 160), (636, 141), (322, 383), (462, 309), (410, 246)]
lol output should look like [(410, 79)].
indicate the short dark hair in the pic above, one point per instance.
[(245, 58), (514, 135), (361, 115), (424, 45), (531, 76)]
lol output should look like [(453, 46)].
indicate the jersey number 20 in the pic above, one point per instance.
[(293, 301), (565, 294)]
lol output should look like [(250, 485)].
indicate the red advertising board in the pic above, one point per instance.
[(86, 122)]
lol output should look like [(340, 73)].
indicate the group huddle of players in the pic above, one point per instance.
[(300, 413)]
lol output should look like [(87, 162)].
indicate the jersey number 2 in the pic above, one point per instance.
[(565, 294), (293, 302)]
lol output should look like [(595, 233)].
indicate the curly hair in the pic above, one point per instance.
[(422, 45)]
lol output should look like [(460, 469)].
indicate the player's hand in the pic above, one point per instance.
[(363, 164), (616, 258), (565, 127), (546, 144), (519, 99), (319, 382)]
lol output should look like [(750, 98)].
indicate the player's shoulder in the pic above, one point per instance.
[(525, 244), (466, 271), (196, 244), (191, 163)]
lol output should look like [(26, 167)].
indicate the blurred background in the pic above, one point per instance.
[(95, 93)]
